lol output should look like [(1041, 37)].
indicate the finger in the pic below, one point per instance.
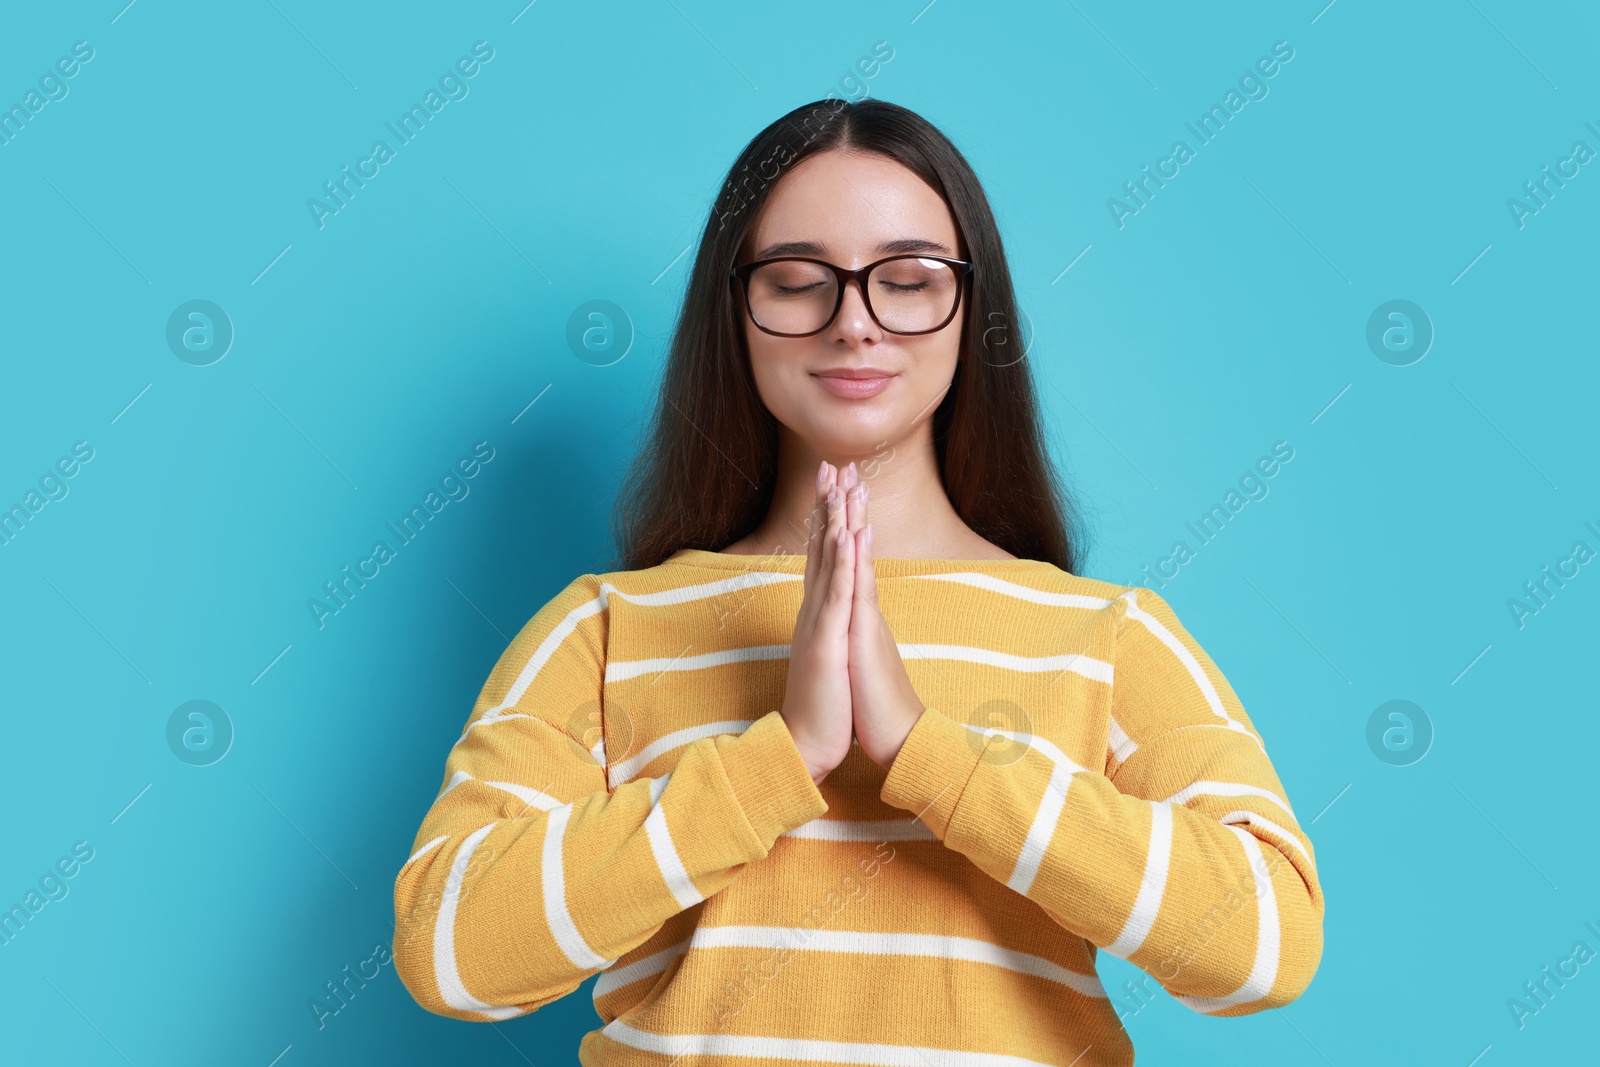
[(838, 581), (843, 577), (836, 509), (819, 582), (830, 543), (860, 581), (855, 507), (867, 577), (814, 526), (832, 483)]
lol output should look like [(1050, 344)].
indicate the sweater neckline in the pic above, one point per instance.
[(883, 566)]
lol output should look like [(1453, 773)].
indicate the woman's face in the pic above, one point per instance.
[(851, 209)]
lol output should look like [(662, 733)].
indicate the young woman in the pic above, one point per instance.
[(825, 774)]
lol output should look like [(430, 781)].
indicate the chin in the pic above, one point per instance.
[(859, 436)]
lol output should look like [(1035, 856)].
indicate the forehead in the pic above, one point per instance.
[(850, 205)]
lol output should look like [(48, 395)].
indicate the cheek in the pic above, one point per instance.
[(934, 364), (771, 371), (760, 357)]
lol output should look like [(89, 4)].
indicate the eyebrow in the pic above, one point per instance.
[(888, 248)]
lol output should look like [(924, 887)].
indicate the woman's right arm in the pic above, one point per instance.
[(529, 873)]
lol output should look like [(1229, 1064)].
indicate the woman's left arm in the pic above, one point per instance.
[(1184, 858)]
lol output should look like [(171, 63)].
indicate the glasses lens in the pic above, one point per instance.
[(789, 296), (912, 295)]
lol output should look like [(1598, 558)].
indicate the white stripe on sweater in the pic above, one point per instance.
[(701, 590), (546, 649), (1228, 789), (1020, 592), (560, 632), (795, 1049), (912, 829), (629, 768), (1037, 843), (1190, 664), (616, 977), (1152, 884), (940, 946), (490, 717), (1090, 668), (569, 623), (1265, 970), (554, 883), (445, 972), (1042, 828), (1094, 669), (1252, 818), (1122, 746), (936, 946), (667, 859), (1077, 662), (622, 670), (425, 849), (531, 797), (1043, 744)]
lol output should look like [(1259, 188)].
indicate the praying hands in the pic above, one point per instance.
[(846, 677)]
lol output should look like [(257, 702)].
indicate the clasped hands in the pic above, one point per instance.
[(846, 678)]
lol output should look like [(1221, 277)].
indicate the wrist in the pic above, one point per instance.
[(817, 772), (911, 724)]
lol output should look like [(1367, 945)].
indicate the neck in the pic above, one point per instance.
[(910, 513)]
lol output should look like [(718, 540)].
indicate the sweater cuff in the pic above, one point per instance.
[(770, 779), (932, 768)]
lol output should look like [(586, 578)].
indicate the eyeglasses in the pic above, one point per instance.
[(796, 296)]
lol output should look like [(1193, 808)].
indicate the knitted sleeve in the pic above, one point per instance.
[(1184, 858), (530, 873)]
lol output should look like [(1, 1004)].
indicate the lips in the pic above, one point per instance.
[(854, 382), (856, 373)]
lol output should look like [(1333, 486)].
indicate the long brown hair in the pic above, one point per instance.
[(708, 471)]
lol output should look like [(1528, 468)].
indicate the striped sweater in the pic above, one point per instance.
[(627, 801)]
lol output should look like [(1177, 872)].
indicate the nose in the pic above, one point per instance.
[(853, 320)]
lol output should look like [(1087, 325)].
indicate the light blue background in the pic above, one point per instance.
[(1228, 314)]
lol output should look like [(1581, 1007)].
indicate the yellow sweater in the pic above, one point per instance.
[(627, 801)]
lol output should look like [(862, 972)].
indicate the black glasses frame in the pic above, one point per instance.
[(844, 276)]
